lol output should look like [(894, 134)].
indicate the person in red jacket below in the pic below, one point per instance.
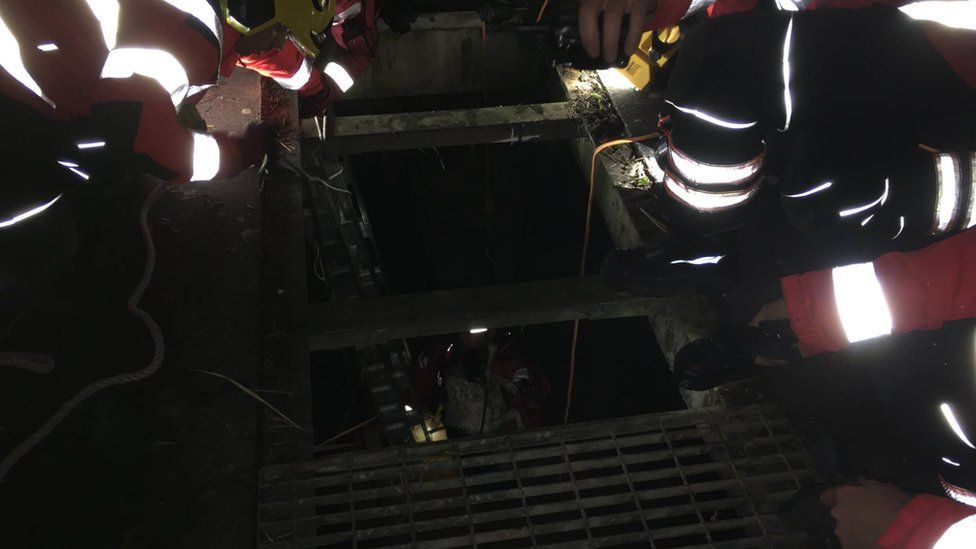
[(91, 90)]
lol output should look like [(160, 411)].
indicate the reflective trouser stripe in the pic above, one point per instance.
[(707, 201), (339, 75), (298, 80)]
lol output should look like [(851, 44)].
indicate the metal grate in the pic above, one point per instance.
[(697, 478)]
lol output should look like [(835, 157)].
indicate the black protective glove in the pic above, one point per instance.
[(730, 354), (662, 270), (315, 105)]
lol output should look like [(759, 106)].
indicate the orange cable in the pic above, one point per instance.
[(542, 10), (586, 247)]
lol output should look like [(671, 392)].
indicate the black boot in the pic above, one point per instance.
[(730, 354), (665, 269)]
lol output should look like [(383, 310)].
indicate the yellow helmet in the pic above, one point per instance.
[(305, 19)]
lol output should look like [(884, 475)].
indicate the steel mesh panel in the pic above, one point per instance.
[(696, 478)]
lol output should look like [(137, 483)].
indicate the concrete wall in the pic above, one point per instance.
[(443, 54)]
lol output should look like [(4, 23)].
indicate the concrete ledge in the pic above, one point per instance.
[(374, 320), (416, 130)]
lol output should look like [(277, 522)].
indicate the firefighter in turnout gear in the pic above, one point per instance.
[(844, 92)]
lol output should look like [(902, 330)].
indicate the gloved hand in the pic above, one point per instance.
[(732, 353), (863, 513), (239, 153), (315, 105), (612, 12)]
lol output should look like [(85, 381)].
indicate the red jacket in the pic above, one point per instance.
[(955, 45), (118, 69), (929, 521)]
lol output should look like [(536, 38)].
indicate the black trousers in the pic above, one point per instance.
[(865, 88), (34, 250)]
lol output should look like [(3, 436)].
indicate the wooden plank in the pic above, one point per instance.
[(416, 130), (286, 354), (372, 320)]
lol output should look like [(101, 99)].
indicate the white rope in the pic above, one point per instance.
[(133, 306), (327, 185), (37, 363), (298, 171), (317, 266)]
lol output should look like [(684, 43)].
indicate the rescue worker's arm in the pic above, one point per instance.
[(648, 15), (183, 155), (930, 522), (354, 31), (289, 67), (897, 292), (875, 514), (644, 15)]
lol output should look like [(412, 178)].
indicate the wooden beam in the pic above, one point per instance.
[(373, 320), (286, 354), (417, 130)]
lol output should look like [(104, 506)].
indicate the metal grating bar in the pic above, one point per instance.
[(709, 478), (630, 483), (526, 508), (684, 480), (539, 470)]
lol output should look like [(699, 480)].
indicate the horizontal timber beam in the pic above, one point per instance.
[(418, 130), (374, 320)]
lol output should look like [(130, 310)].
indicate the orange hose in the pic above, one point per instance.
[(542, 10), (586, 249)]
